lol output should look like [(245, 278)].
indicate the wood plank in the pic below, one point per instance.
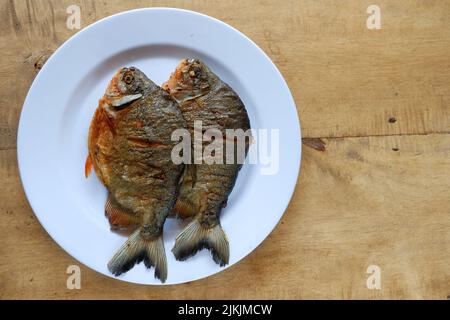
[(357, 203), (347, 80)]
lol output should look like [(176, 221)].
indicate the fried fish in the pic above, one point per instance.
[(203, 96), (130, 150)]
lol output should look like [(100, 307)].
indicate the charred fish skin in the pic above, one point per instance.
[(204, 190), (130, 149)]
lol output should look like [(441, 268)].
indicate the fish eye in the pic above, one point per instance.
[(195, 72), (128, 78)]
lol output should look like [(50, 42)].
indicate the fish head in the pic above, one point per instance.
[(126, 86), (190, 80)]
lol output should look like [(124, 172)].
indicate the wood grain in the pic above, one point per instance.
[(374, 108)]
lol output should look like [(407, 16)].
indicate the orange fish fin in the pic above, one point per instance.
[(109, 122), (184, 208), (118, 217), (88, 166)]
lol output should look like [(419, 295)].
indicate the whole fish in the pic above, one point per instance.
[(130, 149), (205, 188)]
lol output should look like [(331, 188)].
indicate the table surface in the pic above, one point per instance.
[(374, 185)]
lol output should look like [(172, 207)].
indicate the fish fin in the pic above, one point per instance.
[(188, 177), (118, 218), (197, 236), (88, 166), (186, 204), (137, 249), (184, 208)]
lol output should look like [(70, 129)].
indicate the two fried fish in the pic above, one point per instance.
[(130, 150)]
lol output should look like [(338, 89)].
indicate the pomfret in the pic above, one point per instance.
[(203, 96), (130, 149)]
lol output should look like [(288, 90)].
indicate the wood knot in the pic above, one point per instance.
[(38, 59), (315, 143)]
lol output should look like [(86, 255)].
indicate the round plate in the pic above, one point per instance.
[(52, 137)]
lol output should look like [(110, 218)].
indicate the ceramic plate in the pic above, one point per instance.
[(52, 137)]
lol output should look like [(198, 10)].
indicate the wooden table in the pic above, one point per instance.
[(374, 187)]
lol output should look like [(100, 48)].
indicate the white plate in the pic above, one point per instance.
[(52, 137)]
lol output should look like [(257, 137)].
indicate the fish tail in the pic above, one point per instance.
[(137, 249), (197, 236)]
